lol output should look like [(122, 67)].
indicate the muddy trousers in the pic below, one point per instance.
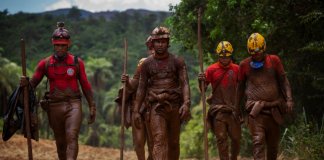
[(265, 135), (65, 120), (165, 129), (140, 136), (223, 128)]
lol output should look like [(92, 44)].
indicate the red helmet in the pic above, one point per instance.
[(61, 35)]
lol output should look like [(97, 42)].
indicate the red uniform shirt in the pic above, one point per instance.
[(63, 76), (223, 82), (262, 84)]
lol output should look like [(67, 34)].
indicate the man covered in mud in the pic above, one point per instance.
[(140, 135), (263, 80), (223, 116), (164, 87)]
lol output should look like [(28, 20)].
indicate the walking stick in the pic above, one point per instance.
[(26, 100), (123, 104), (203, 97)]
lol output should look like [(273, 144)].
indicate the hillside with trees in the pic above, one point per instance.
[(292, 29)]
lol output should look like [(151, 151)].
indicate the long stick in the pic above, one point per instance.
[(203, 97), (123, 104), (26, 100)]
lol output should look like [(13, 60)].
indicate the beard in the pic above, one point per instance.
[(160, 51), (60, 55)]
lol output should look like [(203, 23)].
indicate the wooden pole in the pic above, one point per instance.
[(203, 96), (26, 100), (122, 138)]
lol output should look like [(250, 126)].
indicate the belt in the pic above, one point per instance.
[(56, 102)]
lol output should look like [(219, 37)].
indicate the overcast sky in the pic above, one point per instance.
[(36, 6)]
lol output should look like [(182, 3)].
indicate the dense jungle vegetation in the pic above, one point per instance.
[(292, 29)]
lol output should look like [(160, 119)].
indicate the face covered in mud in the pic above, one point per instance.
[(161, 45)]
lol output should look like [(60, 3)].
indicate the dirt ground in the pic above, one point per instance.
[(16, 149)]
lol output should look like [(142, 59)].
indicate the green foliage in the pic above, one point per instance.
[(303, 140), (191, 138), (312, 17), (11, 73), (106, 135)]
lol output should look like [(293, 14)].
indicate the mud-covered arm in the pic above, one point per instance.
[(285, 85), (132, 84), (241, 85), (131, 87), (141, 89), (184, 81), (238, 98), (184, 110), (283, 82), (240, 92)]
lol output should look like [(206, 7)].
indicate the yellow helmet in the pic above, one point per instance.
[(256, 43), (225, 48)]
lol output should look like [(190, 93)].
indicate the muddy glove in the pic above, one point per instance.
[(201, 77), (125, 79), (92, 114), (185, 114), (24, 81)]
